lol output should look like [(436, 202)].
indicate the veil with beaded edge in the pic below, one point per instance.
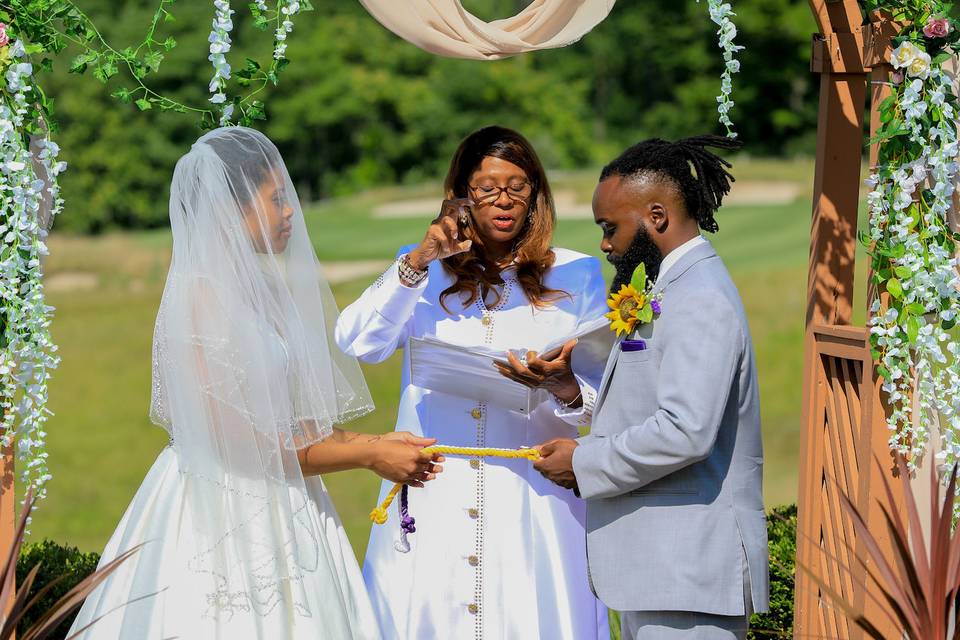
[(245, 372)]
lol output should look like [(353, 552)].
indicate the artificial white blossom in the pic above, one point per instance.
[(920, 360), (30, 190), (220, 44), (286, 10), (720, 14)]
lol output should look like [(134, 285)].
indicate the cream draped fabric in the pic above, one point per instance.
[(445, 28)]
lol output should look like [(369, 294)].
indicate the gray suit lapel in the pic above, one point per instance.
[(692, 257), (608, 371), (681, 266)]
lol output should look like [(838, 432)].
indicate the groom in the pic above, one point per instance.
[(672, 468)]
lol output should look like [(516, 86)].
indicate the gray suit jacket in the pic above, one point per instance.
[(672, 469)]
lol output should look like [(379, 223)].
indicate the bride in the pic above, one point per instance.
[(237, 536)]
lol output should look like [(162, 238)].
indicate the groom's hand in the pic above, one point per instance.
[(556, 462)]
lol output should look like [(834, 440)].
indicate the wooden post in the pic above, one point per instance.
[(844, 418), (8, 499)]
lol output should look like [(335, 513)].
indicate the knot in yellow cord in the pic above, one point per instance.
[(379, 515)]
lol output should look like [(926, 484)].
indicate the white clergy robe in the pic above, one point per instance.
[(499, 551)]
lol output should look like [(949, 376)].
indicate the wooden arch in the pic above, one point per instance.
[(843, 415), (844, 419)]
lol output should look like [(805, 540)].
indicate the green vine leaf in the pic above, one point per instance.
[(894, 288), (79, 64), (105, 70), (645, 314), (152, 61), (913, 328), (123, 95), (639, 279)]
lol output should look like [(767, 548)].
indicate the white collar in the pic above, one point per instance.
[(671, 258)]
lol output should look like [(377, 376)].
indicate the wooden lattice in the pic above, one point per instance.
[(844, 420)]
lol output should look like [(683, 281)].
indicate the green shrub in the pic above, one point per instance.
[(55, 561), (782, 534)]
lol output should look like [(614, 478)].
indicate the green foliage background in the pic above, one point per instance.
[(358, 107), (66, 565)]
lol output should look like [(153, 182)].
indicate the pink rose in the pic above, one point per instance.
[(4, 38), (896, 77), (936, 28)]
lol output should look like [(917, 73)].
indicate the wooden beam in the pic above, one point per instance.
[(837, 56), (838, 364), (8, 512), (836, 198)]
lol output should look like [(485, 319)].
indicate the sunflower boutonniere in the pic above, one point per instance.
[(634, 303)]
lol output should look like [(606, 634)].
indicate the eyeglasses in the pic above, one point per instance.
[(488, 194)]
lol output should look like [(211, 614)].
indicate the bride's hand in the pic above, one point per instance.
[(443, 236), (399, 457)]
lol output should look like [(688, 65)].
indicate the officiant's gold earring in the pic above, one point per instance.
[(464, 217)]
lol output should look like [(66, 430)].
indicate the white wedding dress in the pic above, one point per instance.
[(231, 541), (156, 594)]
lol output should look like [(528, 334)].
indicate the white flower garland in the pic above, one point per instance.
[(219, 47), (286, 9), (915, 352), (28, 354), (220, 44), (720, 13)]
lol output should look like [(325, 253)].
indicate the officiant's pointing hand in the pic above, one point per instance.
[(550, 371), (444, 237)]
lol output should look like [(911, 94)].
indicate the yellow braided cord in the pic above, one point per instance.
[(379, 515), (484, 452)]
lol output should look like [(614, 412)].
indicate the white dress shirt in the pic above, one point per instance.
[(671, 258)]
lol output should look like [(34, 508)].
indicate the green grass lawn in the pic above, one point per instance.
[(101, 443)]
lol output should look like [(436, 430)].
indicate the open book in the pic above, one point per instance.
[(468, 372)]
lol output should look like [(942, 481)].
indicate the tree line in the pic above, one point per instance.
[(358, 107)]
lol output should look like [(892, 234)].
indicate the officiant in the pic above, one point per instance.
[(499, 552)]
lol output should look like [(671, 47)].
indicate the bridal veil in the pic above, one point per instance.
[(245, 370)]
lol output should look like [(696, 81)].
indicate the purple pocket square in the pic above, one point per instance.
[(633, 345)]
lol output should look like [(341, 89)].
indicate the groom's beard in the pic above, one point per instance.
[(641, 250)]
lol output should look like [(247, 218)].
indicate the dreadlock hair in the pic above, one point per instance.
[(700, 176)]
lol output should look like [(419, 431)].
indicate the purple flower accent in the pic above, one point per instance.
[(655, 305)]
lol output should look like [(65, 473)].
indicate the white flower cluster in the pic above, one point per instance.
[(219, 47), (286, 10), (27, 353), (908, 224), (911, 58), (720, 13)]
